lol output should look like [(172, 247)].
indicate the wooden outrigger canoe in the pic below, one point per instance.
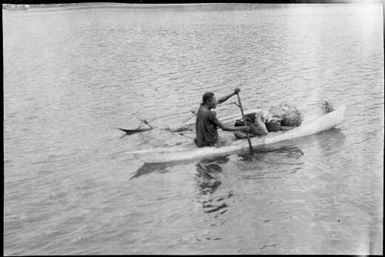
[(311, 124)]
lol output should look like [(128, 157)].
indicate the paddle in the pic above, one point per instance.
[(244, 120)]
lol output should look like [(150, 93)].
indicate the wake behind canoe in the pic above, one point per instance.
[(311, 125)]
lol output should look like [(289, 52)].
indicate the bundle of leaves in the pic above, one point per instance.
[(327, 107), (288, 114)]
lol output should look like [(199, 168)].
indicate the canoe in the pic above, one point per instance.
[(311, 124)]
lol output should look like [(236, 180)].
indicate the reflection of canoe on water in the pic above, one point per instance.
[(311, 124)]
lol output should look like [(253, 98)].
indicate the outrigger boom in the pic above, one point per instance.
[(184, 126)]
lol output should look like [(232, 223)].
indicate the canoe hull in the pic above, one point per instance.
[(310, 126)]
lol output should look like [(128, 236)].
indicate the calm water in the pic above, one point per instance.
[(72, 76)]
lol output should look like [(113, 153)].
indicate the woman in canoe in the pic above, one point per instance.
[(257, 123), (283, 117), (206, 124)]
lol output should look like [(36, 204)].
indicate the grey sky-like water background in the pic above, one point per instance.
[(72, 76)]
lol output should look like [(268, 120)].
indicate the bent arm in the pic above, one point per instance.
[(231, 128), (224, 98)]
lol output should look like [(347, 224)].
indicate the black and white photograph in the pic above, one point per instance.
[(193, 128)]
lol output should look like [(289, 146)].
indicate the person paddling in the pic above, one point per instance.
[(206, 124)]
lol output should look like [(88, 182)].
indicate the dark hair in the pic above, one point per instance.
[(207, 97)]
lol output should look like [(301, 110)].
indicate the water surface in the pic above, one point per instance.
[(72, 76)]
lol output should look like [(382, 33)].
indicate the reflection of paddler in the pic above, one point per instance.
[(208, 178)]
